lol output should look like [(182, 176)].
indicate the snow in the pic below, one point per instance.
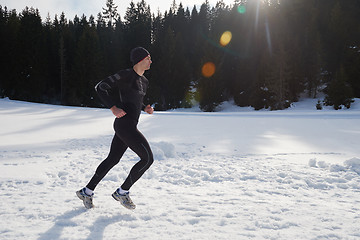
[(233, 174)]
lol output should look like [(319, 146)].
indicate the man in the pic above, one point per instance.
[(123, 94)]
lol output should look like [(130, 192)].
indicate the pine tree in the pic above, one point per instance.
[(278, 49), (211, 87), (351, 60), (138, 25), (110, 13), (277, 80), (305, 52), (62, 56), (339, 91), (164, 68), (87, 69), (339, 34), (10, 55), (33, 65), (260, 96), (351, 65)]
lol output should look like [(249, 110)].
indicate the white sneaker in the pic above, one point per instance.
[(124, 199), (87, 199)]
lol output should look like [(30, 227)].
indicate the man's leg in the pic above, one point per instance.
[(117, 150), (137, 143)]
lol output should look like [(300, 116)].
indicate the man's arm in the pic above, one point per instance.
[(105, 89)]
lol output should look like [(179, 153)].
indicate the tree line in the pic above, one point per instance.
[(259, 53)]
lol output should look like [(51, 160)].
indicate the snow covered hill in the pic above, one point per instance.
[(234, 174)]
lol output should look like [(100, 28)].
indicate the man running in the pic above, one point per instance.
[(123, 94)]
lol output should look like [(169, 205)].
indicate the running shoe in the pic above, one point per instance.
[(87, 199), (124, 199)]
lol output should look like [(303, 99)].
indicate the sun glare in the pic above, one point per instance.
[(208, 69), (225, 38), (242, 9)]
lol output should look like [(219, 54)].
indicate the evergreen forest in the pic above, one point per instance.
[(258, 53)]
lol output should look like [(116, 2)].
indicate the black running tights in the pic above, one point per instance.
[(126, 135)]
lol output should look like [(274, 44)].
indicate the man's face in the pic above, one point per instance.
[(145, 64)]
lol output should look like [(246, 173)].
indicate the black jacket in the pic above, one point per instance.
[(125, 90)]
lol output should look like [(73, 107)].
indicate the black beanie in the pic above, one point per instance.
[(138, 54)]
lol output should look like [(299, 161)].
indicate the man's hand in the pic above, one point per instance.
[(118, 112), (149, 109)]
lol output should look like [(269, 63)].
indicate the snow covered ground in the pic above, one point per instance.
[(234, 174)]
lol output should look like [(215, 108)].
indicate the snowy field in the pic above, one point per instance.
[(234, 174)]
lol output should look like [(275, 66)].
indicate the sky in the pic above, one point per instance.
[(93, 7)]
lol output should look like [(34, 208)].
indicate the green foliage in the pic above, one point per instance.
[(110, 12), (278, 49), (319, 105), (339, 93)]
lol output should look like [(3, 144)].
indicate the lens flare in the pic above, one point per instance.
[(208, 69), (225, 38), (241, 9)]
